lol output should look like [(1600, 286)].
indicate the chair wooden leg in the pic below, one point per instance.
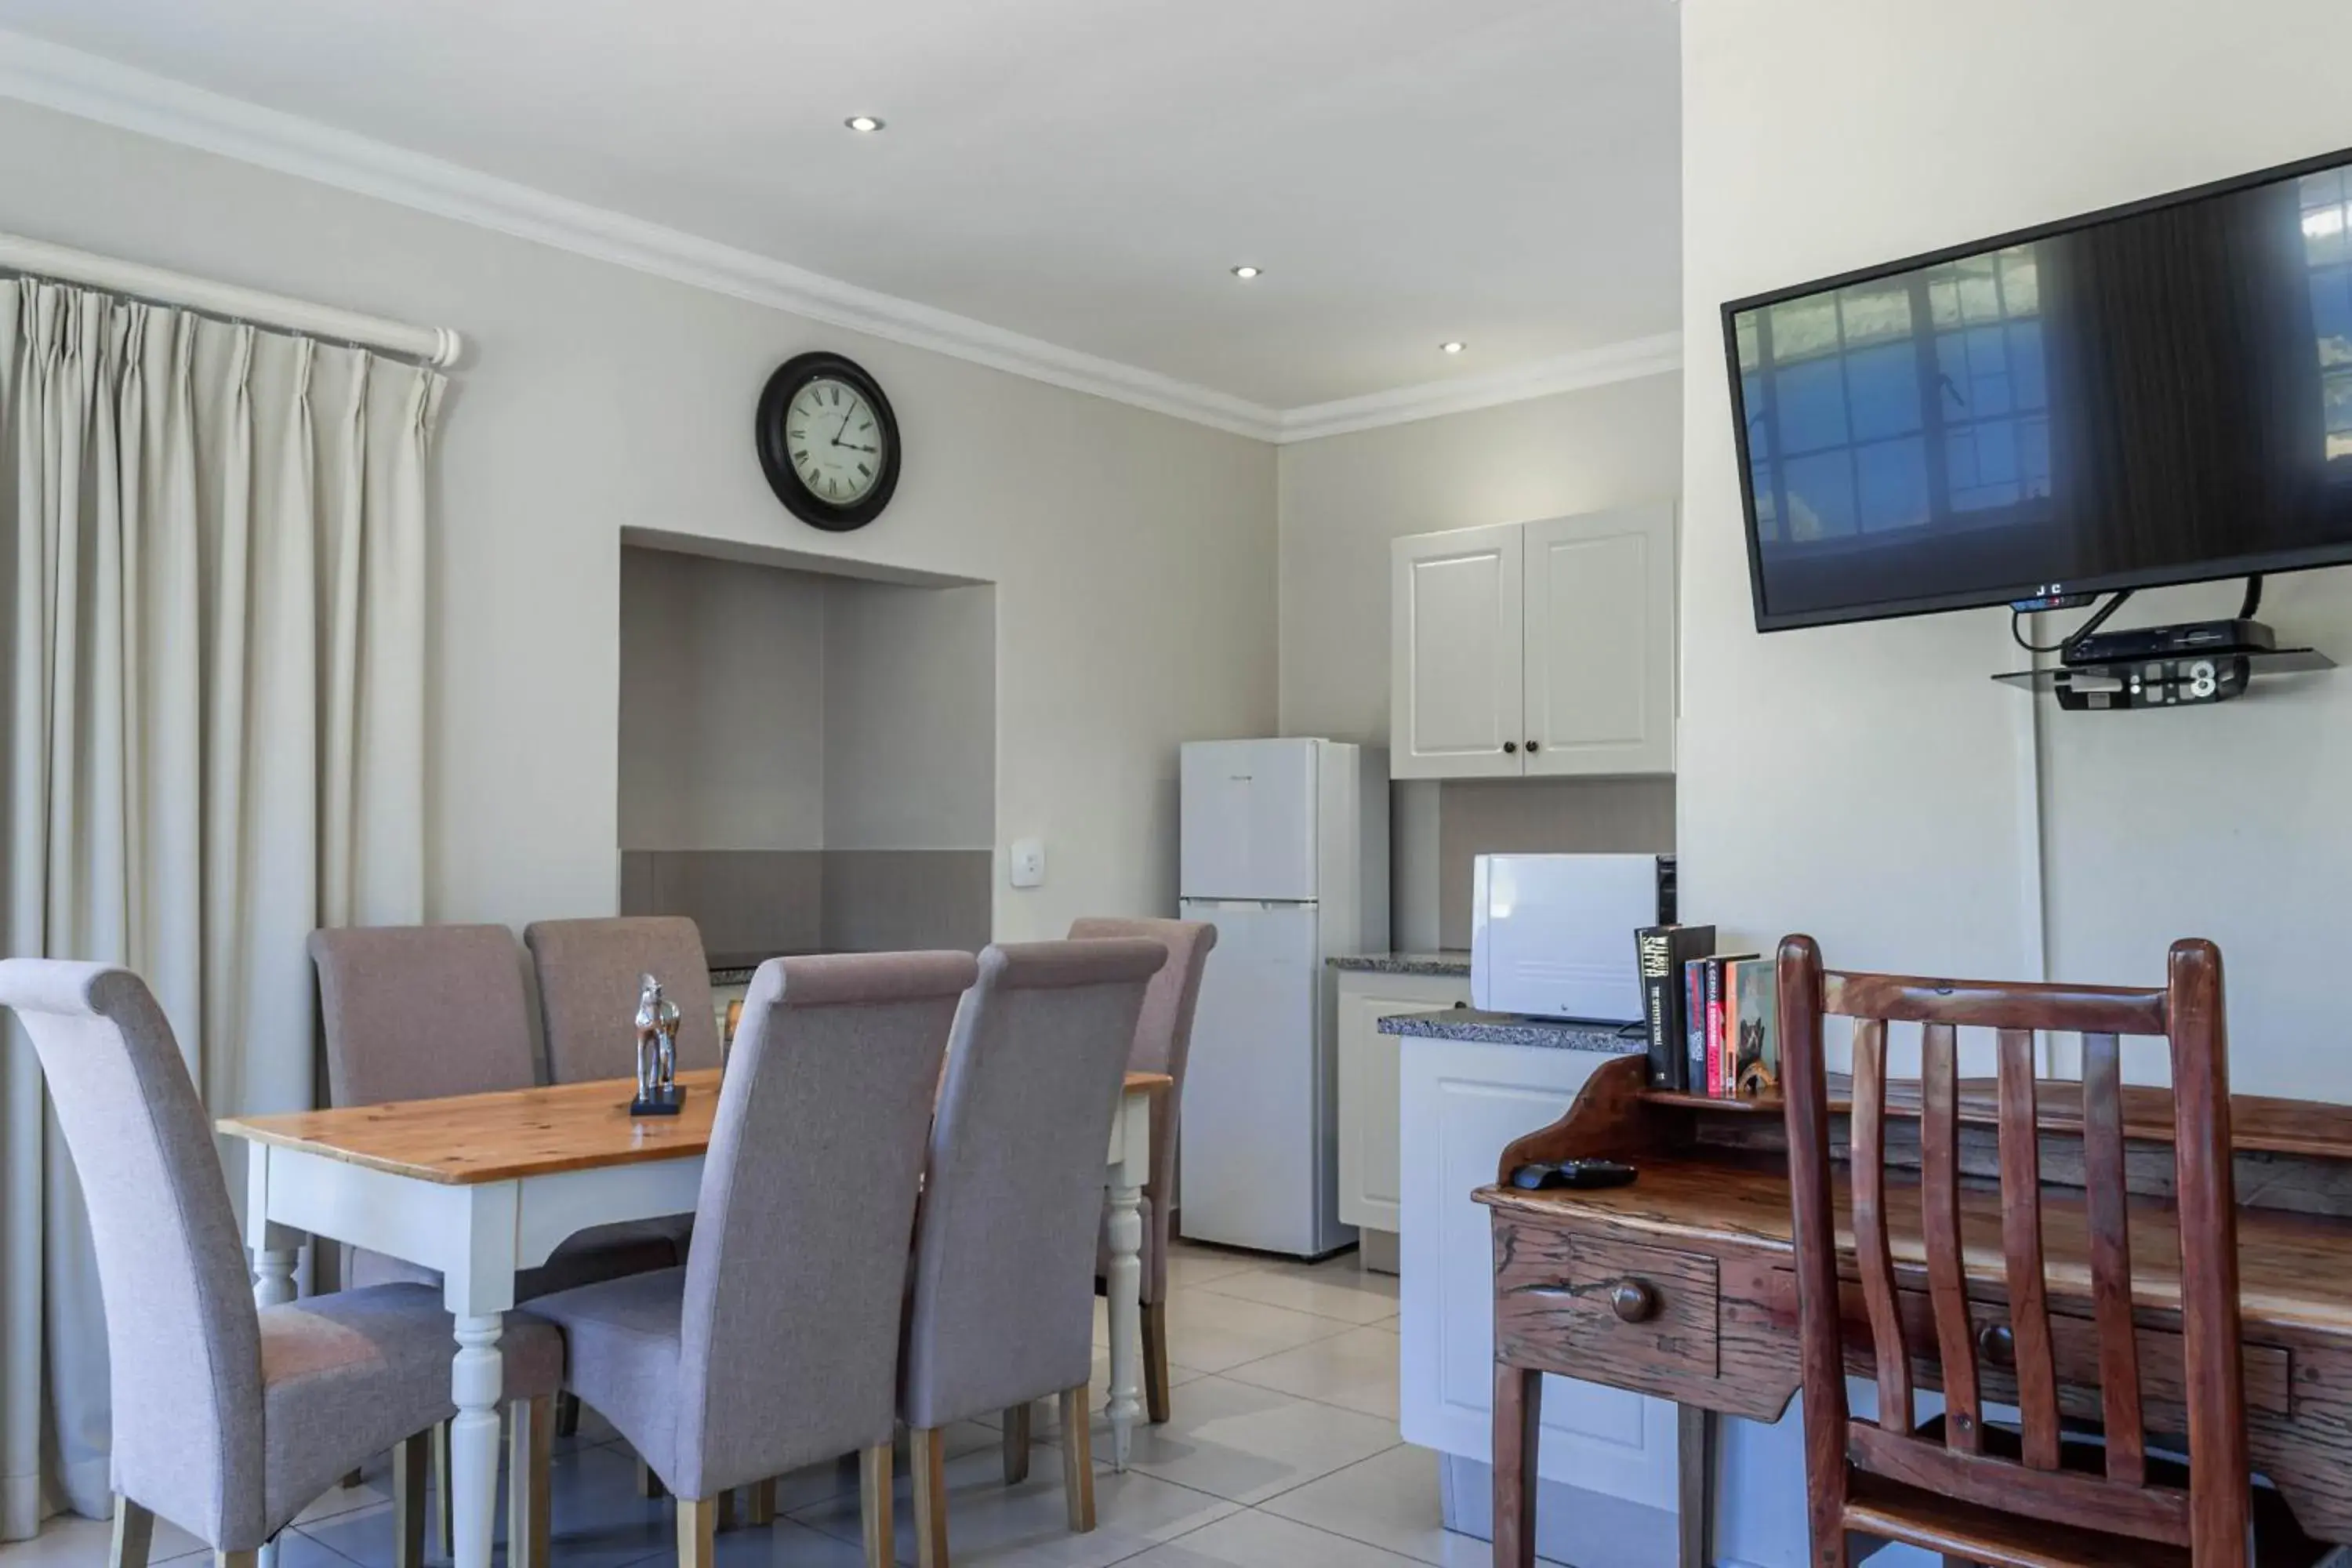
[(698, 1533), (927, 1456), (567, 1415), (725, 1503), (529, 1457), (649, 1484), (444, 1527), (134, 1532), (879, 1530), (1016, 1444), (236, 1559), (1155, 1362), (759, 1503), (1078, 1458), (411, 1458)]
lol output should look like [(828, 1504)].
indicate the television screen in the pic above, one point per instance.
[(2158, 394)]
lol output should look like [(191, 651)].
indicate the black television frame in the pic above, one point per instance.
[(1896, 609)]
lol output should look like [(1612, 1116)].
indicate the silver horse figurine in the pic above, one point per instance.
[(657, 1040)]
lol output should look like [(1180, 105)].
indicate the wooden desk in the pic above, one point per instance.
[(1683, 1284), (484, 1186)]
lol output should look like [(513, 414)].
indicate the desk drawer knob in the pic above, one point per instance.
[(1997, 1345), (1635, 1300)]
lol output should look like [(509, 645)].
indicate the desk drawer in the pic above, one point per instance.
[(2074, 1353), (1636, 1316)]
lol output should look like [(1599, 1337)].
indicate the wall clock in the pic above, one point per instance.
[(828, 441)]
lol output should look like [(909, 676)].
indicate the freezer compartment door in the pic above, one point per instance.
[(1253, 1139), (1248, 820)]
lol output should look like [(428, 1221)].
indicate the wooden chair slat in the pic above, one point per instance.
[(1983, 1005), (1804, 1091), (1939, 1200), (2021, 1235), (2103, 1177), (1872, 1254), (2209, 1246)]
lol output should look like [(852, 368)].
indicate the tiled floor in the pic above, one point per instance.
[(1283, 1453)]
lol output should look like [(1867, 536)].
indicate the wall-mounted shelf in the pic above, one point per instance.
[(2179, 681)]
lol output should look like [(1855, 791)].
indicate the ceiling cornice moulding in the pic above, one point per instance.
[(1628, 361), (93, 87)]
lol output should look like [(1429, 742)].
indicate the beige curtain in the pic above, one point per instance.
[(212, 667)]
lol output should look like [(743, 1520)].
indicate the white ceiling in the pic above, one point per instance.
[(1082, 171)]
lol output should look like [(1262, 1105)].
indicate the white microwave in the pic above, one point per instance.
[(1552, 935)]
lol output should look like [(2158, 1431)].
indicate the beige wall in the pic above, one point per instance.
[(1870, 784), (910, 717), (721, 737), (1133, 554)]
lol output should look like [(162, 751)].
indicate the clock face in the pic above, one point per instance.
[(837, 445)]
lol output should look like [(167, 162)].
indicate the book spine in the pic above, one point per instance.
[(1653, 945), (1715, 1028), (1694, 1022)]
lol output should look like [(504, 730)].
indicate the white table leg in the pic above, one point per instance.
[(478, 1290), (476, 1382), (1125, 1280), (277, 1250)]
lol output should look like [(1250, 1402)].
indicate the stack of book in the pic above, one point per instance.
[(1713, 1018)]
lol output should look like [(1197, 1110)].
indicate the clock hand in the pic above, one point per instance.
[(845, 425)]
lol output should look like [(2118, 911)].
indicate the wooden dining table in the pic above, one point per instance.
[(483, 1187)]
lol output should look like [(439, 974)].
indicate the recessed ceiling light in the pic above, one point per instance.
[(1246, 272), (1454, 348), (862, 122)]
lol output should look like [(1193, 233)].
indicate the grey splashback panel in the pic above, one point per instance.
[(750, 903), (745, 900), (890, 899), (1560, 817)]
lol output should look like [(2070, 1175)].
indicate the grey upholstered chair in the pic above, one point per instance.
[(1163, 1042), (777, 1344), (425, 1012), (588, 972), (230, 1419), (1001, 1310), (588, 975)]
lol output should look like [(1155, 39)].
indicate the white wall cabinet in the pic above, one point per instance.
[(1370, 1182), (1537, 649)]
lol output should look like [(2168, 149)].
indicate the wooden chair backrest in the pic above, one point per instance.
[(2210, 1519)]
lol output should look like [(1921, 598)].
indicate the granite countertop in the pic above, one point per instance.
[(1518, 1030), (1456, 962)]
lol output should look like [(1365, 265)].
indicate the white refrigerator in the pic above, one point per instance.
[(1285, 851)]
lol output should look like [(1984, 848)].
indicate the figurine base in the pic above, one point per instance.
[(660, 1102)]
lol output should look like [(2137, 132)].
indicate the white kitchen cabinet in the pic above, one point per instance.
[(1600, 636), (1535, 648), (1462, 1102), (1370, 1187), (1456, 654)]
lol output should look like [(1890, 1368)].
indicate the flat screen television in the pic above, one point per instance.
[(2154, 393)]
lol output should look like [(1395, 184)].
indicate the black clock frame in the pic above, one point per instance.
[(775, 446)]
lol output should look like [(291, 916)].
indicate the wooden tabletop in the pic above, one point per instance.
[(473, 1138), (2292, 1268)]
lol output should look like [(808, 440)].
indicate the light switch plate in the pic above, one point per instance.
[(1027, 862)]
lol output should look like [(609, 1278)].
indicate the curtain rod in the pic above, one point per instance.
[(432, 346)]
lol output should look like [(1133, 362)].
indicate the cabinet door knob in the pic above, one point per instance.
[(1510, 748), (1997, 1345), (1532, 748), (1635, 1300)]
